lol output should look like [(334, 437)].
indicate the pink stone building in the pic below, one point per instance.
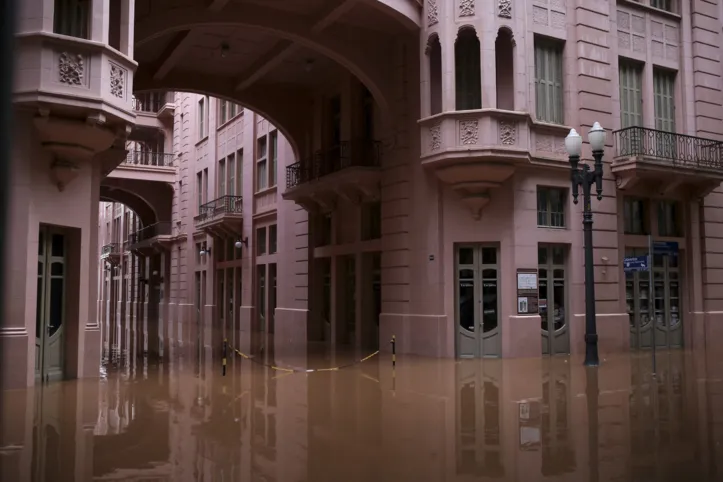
[(399, 169)]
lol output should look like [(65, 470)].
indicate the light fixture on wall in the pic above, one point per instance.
[(204, 251), (242, 242)]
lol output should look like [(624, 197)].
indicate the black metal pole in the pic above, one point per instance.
[(592, 395), (585, 178), (591, 353)]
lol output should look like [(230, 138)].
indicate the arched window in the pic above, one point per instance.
[(434, 52), (504, 66), (468, 79)]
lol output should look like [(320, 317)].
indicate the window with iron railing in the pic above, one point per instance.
[(631, 94), (72, 18), (551, 207)]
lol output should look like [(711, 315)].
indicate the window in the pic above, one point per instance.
[(631, 94), (222, 112), (504, 62), (114, 24), (272, 239), (202, 120), (635, 216), (669, 219), (371, 221), (274, 141), (72, 18), (205, 186), (260, 241), (434, 52), (231, 175), (323, 230), (550, 207), (548, 81), (233, 109), (261, 171), (666, 5), (367, 117), (239, 171), (664, 93), (468, 77), (221, 176)]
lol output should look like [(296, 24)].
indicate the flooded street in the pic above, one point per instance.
[(426, 420)]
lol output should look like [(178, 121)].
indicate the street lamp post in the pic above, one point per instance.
[(585, 178)]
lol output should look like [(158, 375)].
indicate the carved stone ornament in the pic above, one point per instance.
[(71, 69), (117, 80), (508, 133), (435, 137), (432, 12), (504, 8), (466, 8), (468, 132)]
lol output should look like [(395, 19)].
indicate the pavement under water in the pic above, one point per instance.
[(424, 420)]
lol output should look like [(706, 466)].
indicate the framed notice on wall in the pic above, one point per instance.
[(527, 291)]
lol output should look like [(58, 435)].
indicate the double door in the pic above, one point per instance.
[(658, 312), (478, 301), (552, 304), (51, 304)]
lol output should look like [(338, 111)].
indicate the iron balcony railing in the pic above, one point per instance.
[(162, 228), (223, 205), (151, 102), (677, 149), (149, 158), (356, 153), (111, 248)]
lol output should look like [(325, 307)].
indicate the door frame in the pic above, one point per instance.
[(478, 267), (549, 337), (43, 342)]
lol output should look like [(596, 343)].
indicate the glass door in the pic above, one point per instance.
[(662, 304), (477, 295), (50, 305), (553, 300)]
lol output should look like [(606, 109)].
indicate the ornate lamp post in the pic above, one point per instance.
[(586, 178)]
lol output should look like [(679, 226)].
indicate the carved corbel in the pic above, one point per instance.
[(62, 172), (626, 182)]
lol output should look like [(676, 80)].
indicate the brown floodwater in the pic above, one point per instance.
[(425, 420)]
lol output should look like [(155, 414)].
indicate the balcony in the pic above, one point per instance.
[(351, 171), (221, 217), (111, 253), (666, 162), (81, 90), (153, 108), (151, 239), (147, 166), (477, 151)]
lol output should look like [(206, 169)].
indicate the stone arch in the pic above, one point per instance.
[(505, 68), (151, 200), (467, 69), (434, 61), (342, 47), (143, 210)]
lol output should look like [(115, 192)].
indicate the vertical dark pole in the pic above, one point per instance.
[(7, 30), (223, 360), (394, 351), (593, 391), (591, 352)]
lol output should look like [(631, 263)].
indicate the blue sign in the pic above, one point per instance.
[(635, 263), (665, 247)]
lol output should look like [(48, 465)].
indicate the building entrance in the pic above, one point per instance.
[(478, 301), (663, 305), (553, 300), (51, 304)]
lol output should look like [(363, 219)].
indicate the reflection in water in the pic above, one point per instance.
[(446, 420)]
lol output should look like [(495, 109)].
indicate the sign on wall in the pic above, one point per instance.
[(527, 294)]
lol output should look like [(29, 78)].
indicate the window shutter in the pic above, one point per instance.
[(631, 97)]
